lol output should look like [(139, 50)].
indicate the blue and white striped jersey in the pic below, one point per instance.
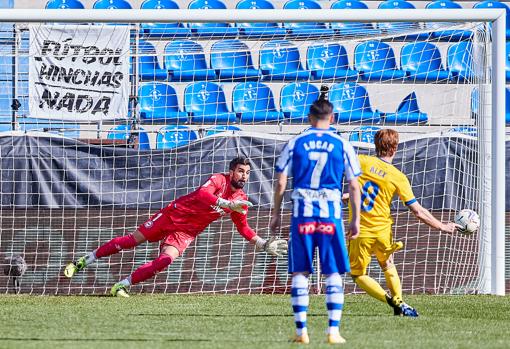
[(317, 160)]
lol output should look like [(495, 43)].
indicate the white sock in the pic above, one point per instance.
[(126, 282), (90, 258)]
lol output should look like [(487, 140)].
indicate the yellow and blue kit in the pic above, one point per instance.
[(379, 182)]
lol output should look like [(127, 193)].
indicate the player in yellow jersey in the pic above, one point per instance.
[(379, 182)]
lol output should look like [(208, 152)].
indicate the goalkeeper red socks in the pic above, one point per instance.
[(115, 245), (150, 269)]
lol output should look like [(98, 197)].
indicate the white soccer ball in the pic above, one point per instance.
[(468, 220)]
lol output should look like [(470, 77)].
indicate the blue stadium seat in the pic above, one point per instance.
[(353, 28), (6, 64), (231, 59), (254, 102), (497, 4), (475, 107), (148, 66), (466, 130), (296, 99), (205, 101), (64, 4), (329, 61), (158, 101), (364, 134), (446, 35), (421, 61), (258, 30), (280, 61), (49, 126), (5, 124), (408, 112), (162, 30), (507, 65), (185, 60), (400, 27), (307, 29), (124, 132), (220, 129), (112, 5), (375, 61), (211, 29), (6, 98), (171, 136), (460, 63), (352, 104)]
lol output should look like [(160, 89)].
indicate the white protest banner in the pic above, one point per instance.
[(79, 72)]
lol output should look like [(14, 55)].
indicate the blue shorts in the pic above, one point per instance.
[(325, 233)]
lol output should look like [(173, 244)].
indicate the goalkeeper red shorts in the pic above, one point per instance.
[(160, 227)]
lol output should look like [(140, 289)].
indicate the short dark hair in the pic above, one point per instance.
[(240, 160), (322, 108)]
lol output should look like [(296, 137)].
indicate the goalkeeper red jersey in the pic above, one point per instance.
[(195, 211)]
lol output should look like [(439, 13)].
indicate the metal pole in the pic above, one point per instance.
[(498, 157)]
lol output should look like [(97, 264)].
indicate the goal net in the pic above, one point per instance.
[(106, 123)]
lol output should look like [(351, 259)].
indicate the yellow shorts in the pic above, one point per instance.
[(362, 249)]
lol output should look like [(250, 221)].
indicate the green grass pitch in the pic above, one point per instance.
[(246, 321)]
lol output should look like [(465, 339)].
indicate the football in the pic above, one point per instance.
[(468, 220)]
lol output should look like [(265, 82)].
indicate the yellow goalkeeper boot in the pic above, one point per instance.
[(335, 338), (72, 268), (119, 290), (301, 339)]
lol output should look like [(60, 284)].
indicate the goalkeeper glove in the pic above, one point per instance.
[(234, 205), (273, 246)]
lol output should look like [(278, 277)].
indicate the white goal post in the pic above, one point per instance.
[(492, 181)]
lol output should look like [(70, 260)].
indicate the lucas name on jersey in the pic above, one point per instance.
[(319, 145), (377, 171)]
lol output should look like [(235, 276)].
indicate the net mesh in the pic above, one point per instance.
[(175, 102)]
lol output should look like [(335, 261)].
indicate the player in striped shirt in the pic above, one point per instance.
[(318, 160)]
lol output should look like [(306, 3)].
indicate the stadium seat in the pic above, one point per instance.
[(211, 29), (111, 5), (352, 104), (280, 61), (174, 136), (258, 30), (158, 101), (64, 4), (364, 134), (507, 65), (497, 4), (148, 66), (475, 107), (231, 59), (254, 102), (5, 124), (446, 35), (352, 28), (49, 126), (408, 112), (220, 129), (466, 130), (185, 60), (329, 61), (421, 61), (460, 64), (306, 29), (6, 63), (400, 27), (124, 132), (375, 61), (162, 30), (296, 99), (205, 101)]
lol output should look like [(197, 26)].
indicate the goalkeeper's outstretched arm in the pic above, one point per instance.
[(426, 217)]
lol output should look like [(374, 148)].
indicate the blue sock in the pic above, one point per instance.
[(300, 302), (334, 301)]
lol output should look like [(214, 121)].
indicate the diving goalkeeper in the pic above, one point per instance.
[(179, 223)]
